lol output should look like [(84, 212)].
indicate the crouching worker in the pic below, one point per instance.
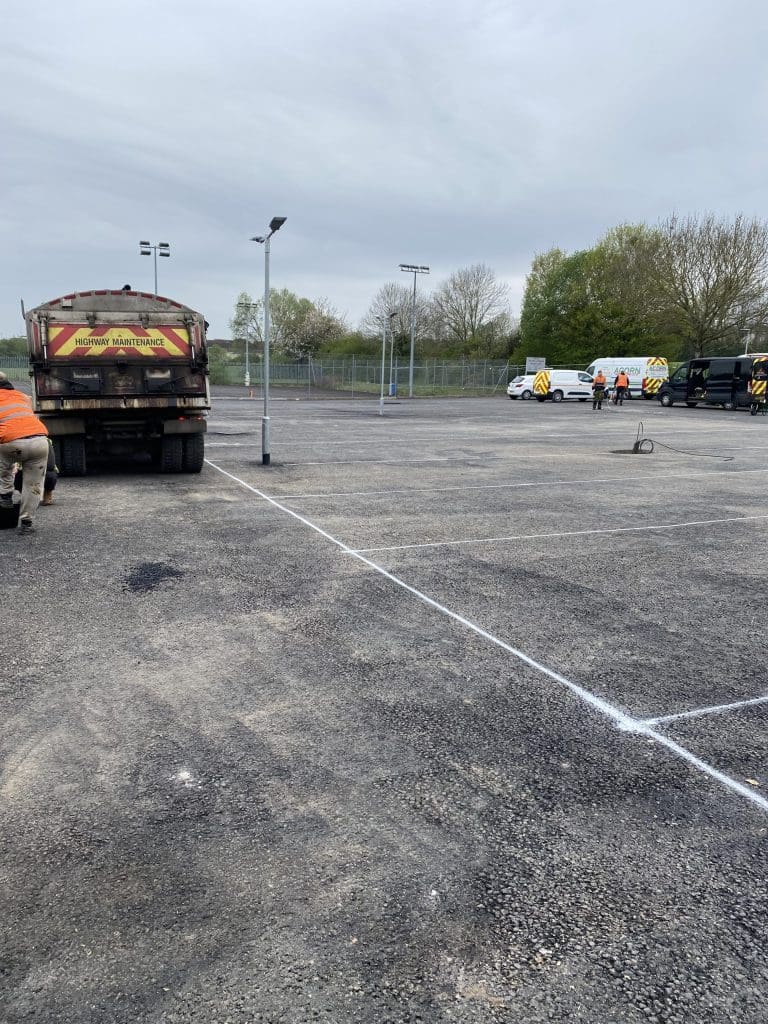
[(51, 477), (23, 440)]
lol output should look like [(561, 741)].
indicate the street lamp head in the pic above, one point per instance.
[(276, 223), (258, 238)]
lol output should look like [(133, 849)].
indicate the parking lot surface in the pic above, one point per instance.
[(457, 713)]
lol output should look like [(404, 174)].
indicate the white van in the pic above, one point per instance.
[(561, 384), (646, 373)]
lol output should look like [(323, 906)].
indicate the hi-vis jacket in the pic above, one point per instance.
[(622, 380), (16, 417)]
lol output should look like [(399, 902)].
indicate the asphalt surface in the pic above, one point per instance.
[(272, 750)]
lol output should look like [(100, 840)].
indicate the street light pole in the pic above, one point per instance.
[(384, 321), (274, 225), (147, 248), (249, 306), (412, 268)]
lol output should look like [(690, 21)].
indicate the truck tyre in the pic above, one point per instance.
[(729, 406), (72, 455), (194, 453), (557, 396), (171, 453), (753, 409), (526, 395), (665, 400)]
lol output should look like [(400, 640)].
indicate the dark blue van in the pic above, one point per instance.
[(720, 380)]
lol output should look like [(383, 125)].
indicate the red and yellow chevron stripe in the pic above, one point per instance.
[(77, 341)]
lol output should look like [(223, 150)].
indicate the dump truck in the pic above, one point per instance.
[(119, 374)]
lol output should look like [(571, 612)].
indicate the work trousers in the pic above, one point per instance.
[(31, 453)]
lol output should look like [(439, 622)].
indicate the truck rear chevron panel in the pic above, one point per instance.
[(77, 341)]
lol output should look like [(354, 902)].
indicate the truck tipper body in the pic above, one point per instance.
[(120, 373)]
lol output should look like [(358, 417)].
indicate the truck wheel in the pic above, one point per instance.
[(194, 453), (526, 395), (171, 454), (753, 409), (665, 400), (729, 406), (73, 456), (557, 396)]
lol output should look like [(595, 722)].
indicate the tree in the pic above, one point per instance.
[(711, 278), (471, 307), (13, 346), (247, 319), (397, 298), (297, 326), (597, 302)]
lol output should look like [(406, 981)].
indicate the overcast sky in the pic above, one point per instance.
[(445, 132)]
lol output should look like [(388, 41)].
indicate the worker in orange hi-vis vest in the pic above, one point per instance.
[(23, 441), (598, 389), (621, 384)]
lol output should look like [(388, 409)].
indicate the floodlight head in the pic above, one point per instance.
[(143, 243), (163, 245), (276, 223), (145, 252), (165, 254)]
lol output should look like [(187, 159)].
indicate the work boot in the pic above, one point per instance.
[(25, 526), (47, 498)]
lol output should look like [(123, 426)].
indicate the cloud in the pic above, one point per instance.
[(444, 133)]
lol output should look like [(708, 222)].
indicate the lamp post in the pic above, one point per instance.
[(383, 321), (247, 306), (148, 248), (412, 268), (274, 225)]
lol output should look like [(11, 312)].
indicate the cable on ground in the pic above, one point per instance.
[(645, 445)]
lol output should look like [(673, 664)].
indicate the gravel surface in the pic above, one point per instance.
[(248, 776)]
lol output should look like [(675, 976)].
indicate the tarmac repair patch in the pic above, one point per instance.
[(148, 576)]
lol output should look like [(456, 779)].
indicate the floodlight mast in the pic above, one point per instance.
[(148, 249), (274, 225), (412, 268)]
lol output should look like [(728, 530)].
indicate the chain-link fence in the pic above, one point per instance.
[(356, 376), (15, 367), (364, 376)]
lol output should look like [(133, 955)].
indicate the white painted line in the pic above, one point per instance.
[(672, 475), (620, 718), (711, 710), (365, 462), (567, 533)]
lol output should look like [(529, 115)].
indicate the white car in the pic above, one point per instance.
[(521, 387)]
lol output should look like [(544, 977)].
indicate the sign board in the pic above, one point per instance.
[(119, 341), (534, 363)]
